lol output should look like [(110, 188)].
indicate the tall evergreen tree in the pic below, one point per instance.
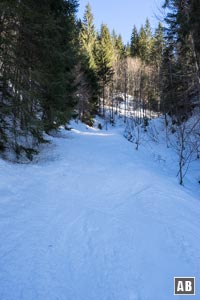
[(88, 36), (119, 46), (145, 42), (104, 59), (158, 44), (88, 85), (57, 63), (134, 42), (142, 45)]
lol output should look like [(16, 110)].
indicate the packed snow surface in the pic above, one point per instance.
[(94, 219)]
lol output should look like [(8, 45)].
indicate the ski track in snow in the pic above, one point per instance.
[(95, 221)]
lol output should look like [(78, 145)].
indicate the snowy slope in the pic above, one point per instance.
[(95, 220)]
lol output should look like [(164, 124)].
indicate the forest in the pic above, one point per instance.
[(55, 67)]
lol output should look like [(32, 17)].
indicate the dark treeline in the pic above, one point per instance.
[(181, 57), (38, 54), (54, 67)]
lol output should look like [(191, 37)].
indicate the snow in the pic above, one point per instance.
[(94, 219)]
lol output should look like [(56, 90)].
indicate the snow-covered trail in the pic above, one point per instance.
[(95, 222)]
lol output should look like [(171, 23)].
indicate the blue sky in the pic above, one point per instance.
[(122, 15)]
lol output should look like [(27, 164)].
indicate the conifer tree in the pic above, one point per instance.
[(142, 45), (88, 83), (158, 45), (119, 46), (104, 59), (134, 42), (58, 58), (88, 36), (145, 42)]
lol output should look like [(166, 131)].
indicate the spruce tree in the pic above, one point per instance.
[(104, 59), (88, 36), (119, 46), (88, 83), (142, 45), (58, 59), (134, 42), (158, 45), (145, 42)]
